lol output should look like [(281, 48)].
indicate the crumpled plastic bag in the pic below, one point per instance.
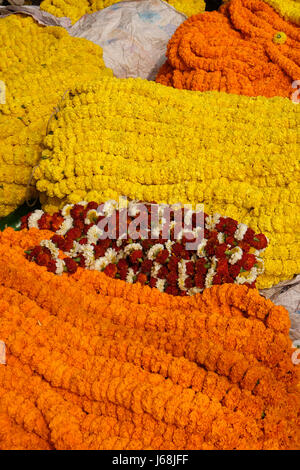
[(133, 34), (287, 294)]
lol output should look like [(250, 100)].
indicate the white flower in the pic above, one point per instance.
[(51, 247), (194, 290), (82, 203), (93, 234), (132, 247), (221, 237), (188, 217), (34, 218), (154, 250), (182, 276), (111, 255), (155, 268), (77, 248), (65, 212), (249, 277), (130, 276), (90, 216), (109, 207), (212, 221), (60, 264), (201, 248), (134, 208), (100, 264), (88, 253), (236, 255), (169, 245), (240, 231), (160, 285), (65, 226), (211, 273)]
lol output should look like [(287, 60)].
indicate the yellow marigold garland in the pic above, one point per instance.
[(37, 64), (147, 142), (75, 9), (288, 9), (85, 372)]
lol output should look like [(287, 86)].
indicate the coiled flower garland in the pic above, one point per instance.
[(75, 9), (37, 65), (145, 141), (176, 250), (235, 50), (95, 363)]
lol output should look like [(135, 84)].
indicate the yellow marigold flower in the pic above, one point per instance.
[(75, 9), (237, 155), (38, 64)]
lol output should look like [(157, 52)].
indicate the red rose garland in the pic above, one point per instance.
[(224, 251)]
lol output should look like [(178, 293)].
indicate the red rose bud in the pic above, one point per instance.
[(217, 279), (220, 250), (78, 212), (123, 274), (190, 268), (260, 241), (24, 221), (172, 278), (177, 249), (68, 245), (122, 264), (73, 234), (45, 222), (152, 282), (222, 267), (135, 256), (59, 241), (200, 266), (173, 263), (83, 241), (142, 278), (248, 261), (172, 290), (200, 280), (146, 266), (234, 270), (111, 270), (92, 206), (51, 266), (43, 259), (163, 272), (56, 222), (162, 256), (249, 235), (189, 283), (71, 265)]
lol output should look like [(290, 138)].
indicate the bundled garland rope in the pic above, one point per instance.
[(246, 48), (147, 142), (37, 64), (75, 9), (95, 363)]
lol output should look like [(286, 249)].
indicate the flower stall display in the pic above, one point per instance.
[(237, 155), (245, 48), (176, 254), (37, 66), (97, 363), (75, 9)]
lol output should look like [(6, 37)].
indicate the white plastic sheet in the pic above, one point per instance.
[(133, 34)]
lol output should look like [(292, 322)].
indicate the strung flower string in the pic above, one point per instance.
[(126, 244)]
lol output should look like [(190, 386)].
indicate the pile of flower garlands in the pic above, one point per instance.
[(223, 252), (75, 9), (237, 155), (96, 363), (246, 48), (288, 9), (37, 65)]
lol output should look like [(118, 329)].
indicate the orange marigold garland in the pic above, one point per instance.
[(96, 363), (246, 48)]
